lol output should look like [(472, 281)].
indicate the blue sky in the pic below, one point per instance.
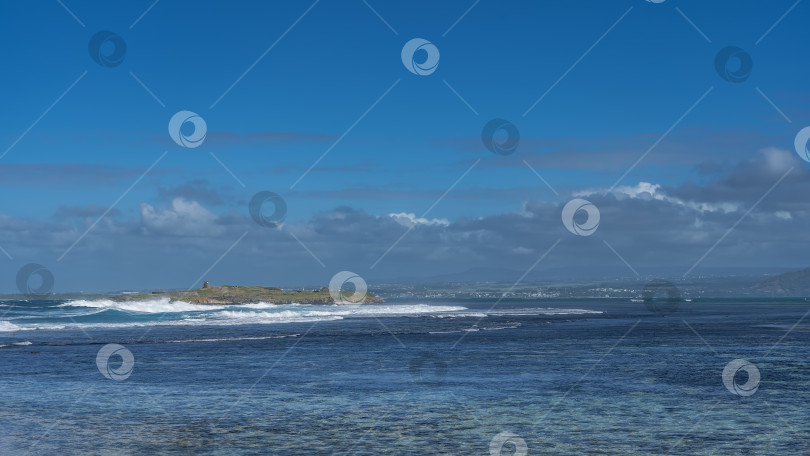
[(616, 76)]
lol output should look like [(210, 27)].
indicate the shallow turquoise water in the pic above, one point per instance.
[(622, 381)]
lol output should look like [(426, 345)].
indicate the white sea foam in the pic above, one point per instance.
[(298, 312), (159, 305), (229, 339), (391, 310), (524, 312), (7, 326), (183, 322), (203, 315), (259, 305), (162, 305), (460, 315), (187, 314)]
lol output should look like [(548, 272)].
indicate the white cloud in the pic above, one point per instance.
[(185, 218), (647, 190), (642, 190), (410, 220)]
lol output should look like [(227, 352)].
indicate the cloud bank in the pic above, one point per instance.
[(757, 215)]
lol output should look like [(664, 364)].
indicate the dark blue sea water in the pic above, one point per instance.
[(604, 377)]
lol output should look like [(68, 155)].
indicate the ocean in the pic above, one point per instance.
[(410, 376)]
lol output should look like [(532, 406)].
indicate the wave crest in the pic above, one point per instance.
[(7, 326), (159, 305)]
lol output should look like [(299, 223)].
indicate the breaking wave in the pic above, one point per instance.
[(160, 305), (85, 314)]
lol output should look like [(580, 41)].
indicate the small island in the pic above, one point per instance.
[(235, 294)]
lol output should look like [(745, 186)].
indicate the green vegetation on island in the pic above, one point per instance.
[(234, 294)]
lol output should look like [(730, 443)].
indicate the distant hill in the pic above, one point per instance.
[(796, 283)]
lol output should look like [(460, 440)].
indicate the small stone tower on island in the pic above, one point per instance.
[(206, 284)]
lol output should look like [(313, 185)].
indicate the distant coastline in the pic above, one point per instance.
[(793, 284)]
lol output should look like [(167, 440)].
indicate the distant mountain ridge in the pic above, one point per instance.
[(589, 274), (795, 283)]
